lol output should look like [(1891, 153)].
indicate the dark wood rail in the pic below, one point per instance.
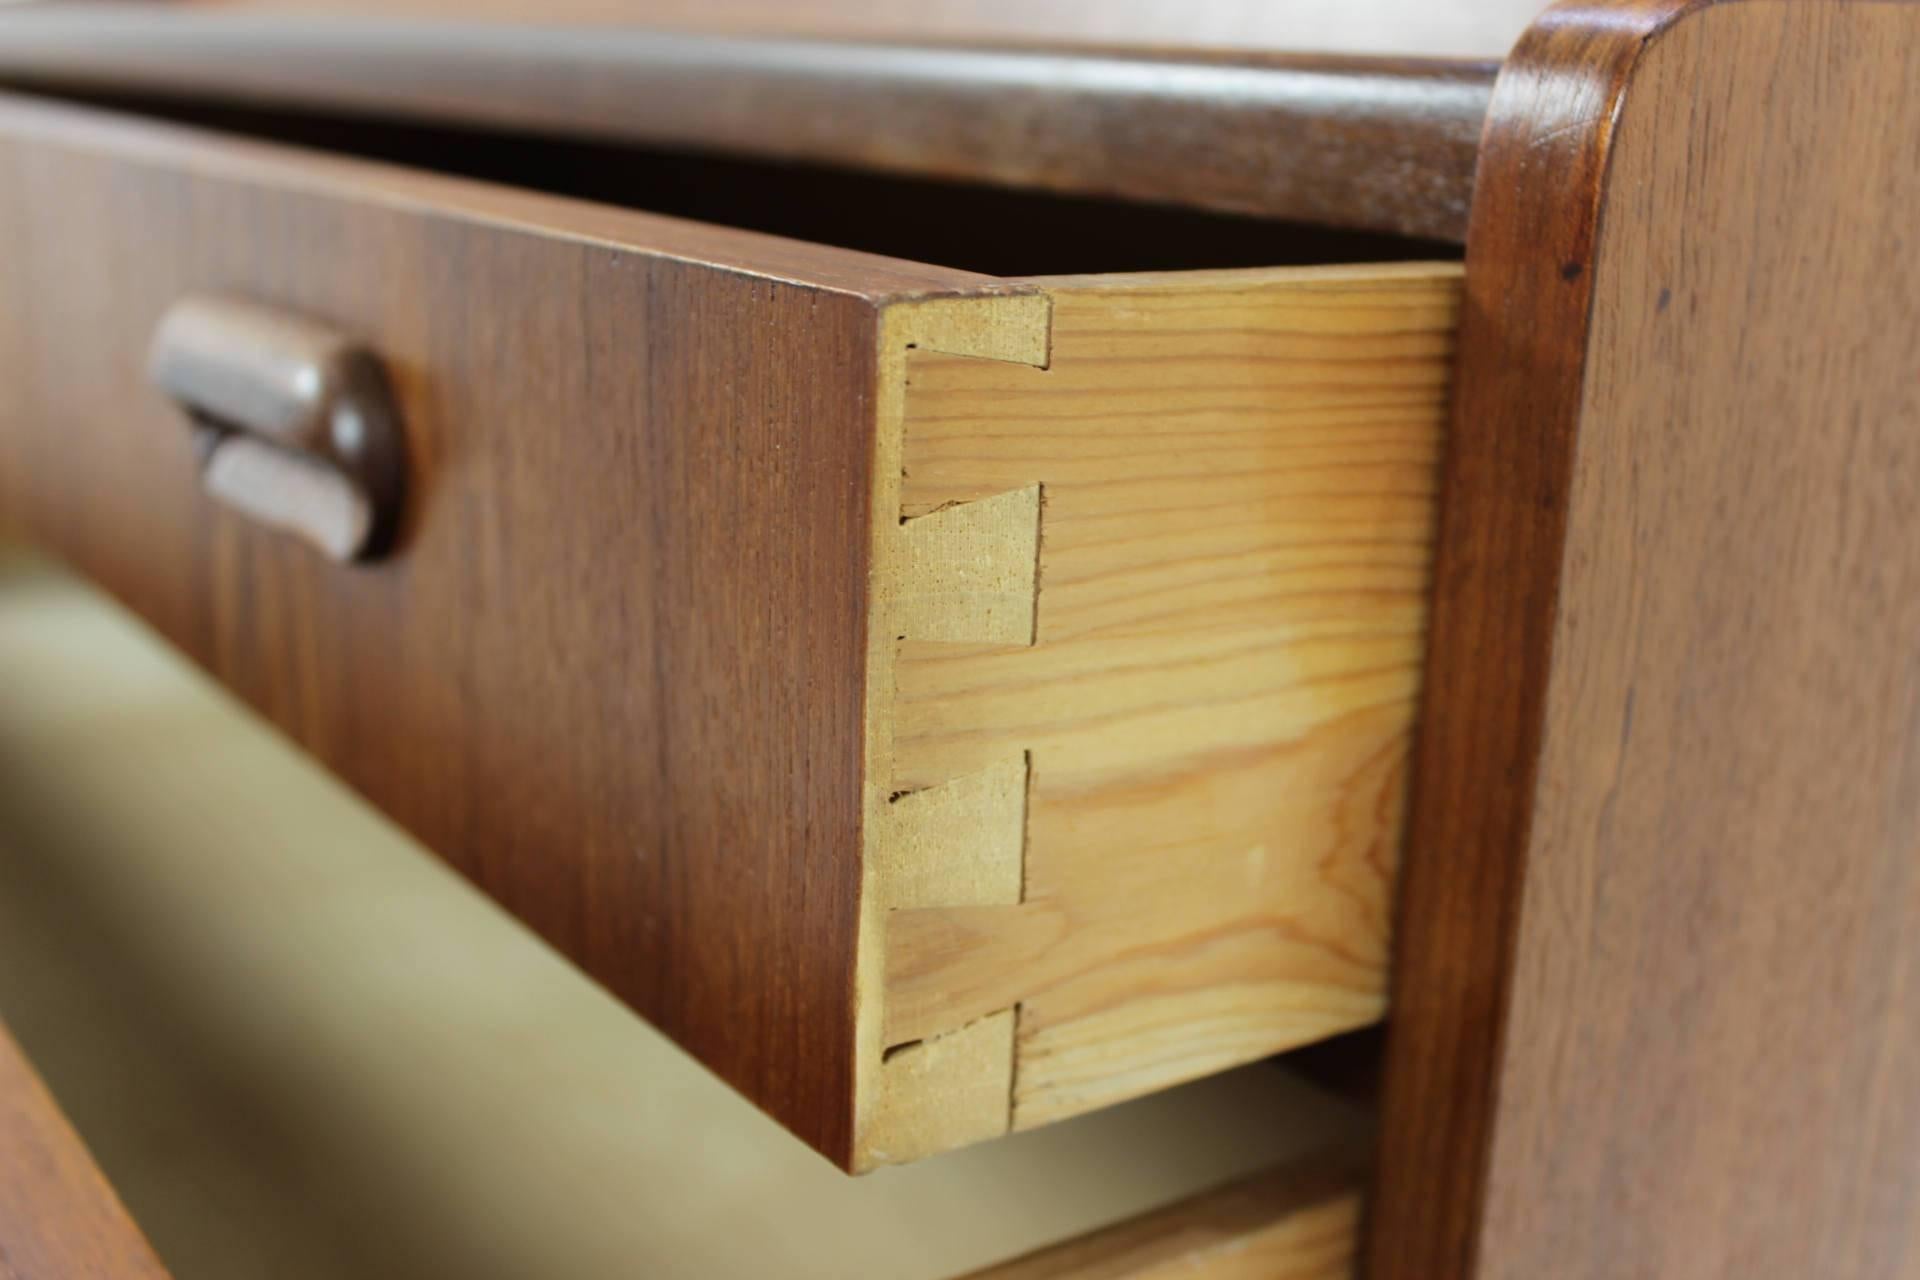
[(1366, 143)]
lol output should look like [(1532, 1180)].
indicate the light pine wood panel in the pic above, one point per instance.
[(1200, 755)]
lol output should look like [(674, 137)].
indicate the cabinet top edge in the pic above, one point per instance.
[(1361, 142)]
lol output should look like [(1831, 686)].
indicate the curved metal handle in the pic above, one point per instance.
[(294, 423)]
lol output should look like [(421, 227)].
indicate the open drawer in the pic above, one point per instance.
[(943, 704)]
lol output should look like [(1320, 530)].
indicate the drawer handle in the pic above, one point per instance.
[(294, 423)]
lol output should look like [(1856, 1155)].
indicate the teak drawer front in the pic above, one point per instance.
[(943, 704)]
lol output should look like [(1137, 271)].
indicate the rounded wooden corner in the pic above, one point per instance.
[(1566, 254)]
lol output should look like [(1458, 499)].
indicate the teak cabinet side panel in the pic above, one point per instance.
[(1134, 799), (1655, 1003)]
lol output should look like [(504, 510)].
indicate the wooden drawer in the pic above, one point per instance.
[(943, 704)]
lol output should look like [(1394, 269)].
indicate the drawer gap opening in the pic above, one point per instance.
[(971, 226)]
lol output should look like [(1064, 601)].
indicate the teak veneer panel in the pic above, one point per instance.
[(59, 1217), (1656, 1011), (942, 704)]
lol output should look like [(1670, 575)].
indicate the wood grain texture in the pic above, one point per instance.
[(1294, 1223), (1363, 143), (1655, 1004), (614, 669), (1163, 805), (59, 1217)]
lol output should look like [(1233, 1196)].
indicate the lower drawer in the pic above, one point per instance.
[(298, 1048), (943, 704)]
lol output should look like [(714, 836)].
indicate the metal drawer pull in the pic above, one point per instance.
[(294, 423)]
